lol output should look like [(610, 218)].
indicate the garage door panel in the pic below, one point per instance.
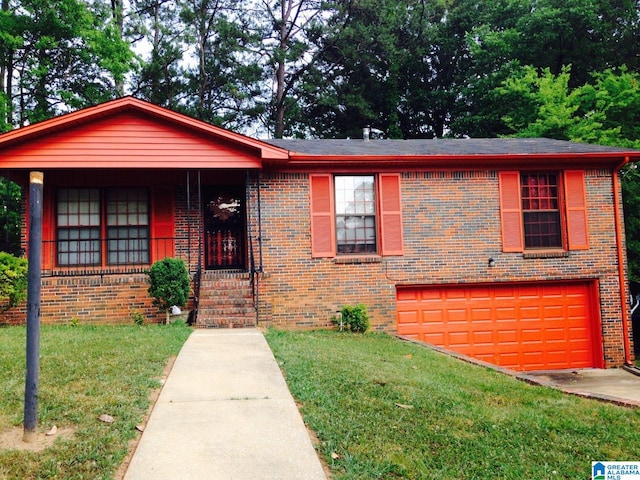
[(519, 326)]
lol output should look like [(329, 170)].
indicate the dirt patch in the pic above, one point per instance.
[(133, 444), (12, 439)]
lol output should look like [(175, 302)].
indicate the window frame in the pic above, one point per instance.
[(104, 241), (389, 222), (572, 200), (559, 198), (360, 243)]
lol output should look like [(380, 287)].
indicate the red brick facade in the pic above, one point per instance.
[(451, 227)]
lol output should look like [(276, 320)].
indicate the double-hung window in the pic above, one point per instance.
[(355, 202), (543, 211), (102, 227), (355, 215), (78, 223)]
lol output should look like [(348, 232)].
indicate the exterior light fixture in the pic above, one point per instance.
[(492, 262)]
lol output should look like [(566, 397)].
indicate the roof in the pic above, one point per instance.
[(127, 133), (454, 153), (132, 133), (450, 147)]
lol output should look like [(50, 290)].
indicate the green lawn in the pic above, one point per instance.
[(85, 371), (387, 409)]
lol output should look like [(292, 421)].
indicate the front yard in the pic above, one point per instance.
[(86, 371), (381, 408), (387, 409)]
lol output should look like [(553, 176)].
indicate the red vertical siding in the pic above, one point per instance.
[(162, 223)]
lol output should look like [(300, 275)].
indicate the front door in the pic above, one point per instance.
[(224, 228)]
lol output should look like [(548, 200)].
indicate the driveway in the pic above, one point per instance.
[(617, 385)]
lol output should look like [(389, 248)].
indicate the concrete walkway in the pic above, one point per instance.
[(225, 412)]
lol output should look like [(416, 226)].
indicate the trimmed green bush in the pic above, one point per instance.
[(354, 318), (169, 283), (13, 280)]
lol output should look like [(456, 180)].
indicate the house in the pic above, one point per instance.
[(508, 250)]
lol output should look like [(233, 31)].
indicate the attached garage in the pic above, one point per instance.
[(521, 326)]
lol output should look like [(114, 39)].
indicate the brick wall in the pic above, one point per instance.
[(92, 299), (451, 228)]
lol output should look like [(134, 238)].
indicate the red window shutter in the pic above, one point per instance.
[(322, 216), (510, 212), (390, 214), (162, 223), (576, 206)]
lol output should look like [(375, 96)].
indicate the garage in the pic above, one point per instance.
[(522, 326)]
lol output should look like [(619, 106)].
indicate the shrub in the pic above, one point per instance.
[(169, 283), (137, 317), (354, 318), (13, 280)]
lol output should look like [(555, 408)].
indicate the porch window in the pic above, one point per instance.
[(78, 226), (127, 226), (355, 214), (83, 225)]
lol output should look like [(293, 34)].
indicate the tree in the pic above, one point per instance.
[(605, 111), (13, 281), (10, 221), (58, 55)]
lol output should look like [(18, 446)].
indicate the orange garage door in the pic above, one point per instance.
[(541, 326)]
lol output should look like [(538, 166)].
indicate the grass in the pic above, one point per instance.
[(85, 371), (387, 409)]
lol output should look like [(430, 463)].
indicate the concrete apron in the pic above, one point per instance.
[(616, 385), (225, 412)]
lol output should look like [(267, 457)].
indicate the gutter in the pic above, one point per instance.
[(620, 252)]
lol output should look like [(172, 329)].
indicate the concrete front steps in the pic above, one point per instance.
[(226, 300)]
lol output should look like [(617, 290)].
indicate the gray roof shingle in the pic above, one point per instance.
[(445, 147)]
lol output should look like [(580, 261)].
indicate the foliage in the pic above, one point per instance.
[(386, 408), (353, 318), (57, 56), (169, 283), (605, 111), (10, 220), (13, 280), (84, 372), (138, 317)]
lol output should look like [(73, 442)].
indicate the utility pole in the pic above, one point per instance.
[(33, 307)]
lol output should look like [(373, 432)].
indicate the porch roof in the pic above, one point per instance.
[(131, 133)]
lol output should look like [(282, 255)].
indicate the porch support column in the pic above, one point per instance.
[(33, 307)]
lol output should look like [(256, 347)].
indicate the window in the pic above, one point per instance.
[(355, 214), (540, 210), (79, 226), (543, 210), (82, 224), (127, 226)]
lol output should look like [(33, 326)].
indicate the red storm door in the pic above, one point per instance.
[(224, 221)]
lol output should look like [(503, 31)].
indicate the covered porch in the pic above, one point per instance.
[(128, 183)]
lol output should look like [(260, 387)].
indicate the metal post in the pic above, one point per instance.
[(33, 307)]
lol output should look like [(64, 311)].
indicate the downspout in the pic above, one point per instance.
[(188, 220), (620, 251), (259, 223)]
